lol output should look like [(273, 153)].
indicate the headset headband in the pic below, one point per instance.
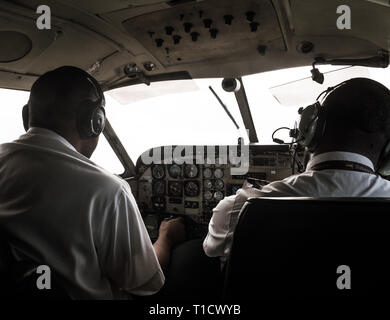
[(91, 119), (328, 91), (101, 100)]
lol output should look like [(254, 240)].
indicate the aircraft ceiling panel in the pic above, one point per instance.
[(369, 21), (207, 31), (21, 41)]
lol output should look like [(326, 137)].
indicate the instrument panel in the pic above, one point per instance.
[(192, 188)]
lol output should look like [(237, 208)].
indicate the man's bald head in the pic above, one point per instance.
[(359, 104), (357, 118), (56, 97), (56, 103)]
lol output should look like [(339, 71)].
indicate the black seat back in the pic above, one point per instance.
[(18, 279), (292, 247), (6, 266)]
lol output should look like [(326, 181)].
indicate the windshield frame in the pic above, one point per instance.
[(240, 95)]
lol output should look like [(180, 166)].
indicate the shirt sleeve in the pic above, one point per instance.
[(128, 256), (225, 217), (214, 244)]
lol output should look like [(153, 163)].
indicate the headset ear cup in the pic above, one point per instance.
[(307, 126), (312, 123), (98, 121), (92, 118), (91, 121), (26, 118)]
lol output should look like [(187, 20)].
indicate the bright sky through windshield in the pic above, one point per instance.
[(192, 117)]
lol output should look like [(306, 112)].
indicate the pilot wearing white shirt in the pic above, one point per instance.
[(344, 160), (62, 210)]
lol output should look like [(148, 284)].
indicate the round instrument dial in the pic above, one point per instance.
[(207, 195), (158, 171), (207, 173), (159, 188), (191, 171), (219, 184), (208, 184), (174, 171), (175, 189), (218, 173), (218, 195), (191, 189)]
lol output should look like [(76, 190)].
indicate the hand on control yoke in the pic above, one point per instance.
[(173, 231)]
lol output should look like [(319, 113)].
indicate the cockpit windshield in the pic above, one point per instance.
[(185, 112)]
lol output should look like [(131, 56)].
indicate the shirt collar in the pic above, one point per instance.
[(50, 135), (339, 156)]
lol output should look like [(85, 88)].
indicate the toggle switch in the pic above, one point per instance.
[(187, 27), (176, 39), (207, 23), (228, 19), (194, 36), (159, 42), (213, 33), (250, 15), (169, 30)]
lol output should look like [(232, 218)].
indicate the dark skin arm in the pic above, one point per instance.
[(171, 233)]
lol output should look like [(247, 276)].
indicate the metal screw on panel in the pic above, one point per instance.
[(131, 69), (149, 66), (305, 47)]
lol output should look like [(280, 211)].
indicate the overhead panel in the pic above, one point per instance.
[(370, 24), (208, 30), (21, 41), (15, 45)]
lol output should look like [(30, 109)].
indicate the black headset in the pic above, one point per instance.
[(311, 127), (91, 119), (312, 121)]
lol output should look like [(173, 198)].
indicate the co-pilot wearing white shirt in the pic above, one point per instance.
[(62, 210), (344, 162)]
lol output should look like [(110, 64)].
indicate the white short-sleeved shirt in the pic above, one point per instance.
[(62, 210), (324, 183)]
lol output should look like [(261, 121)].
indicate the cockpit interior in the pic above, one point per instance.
[(203, 98)]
